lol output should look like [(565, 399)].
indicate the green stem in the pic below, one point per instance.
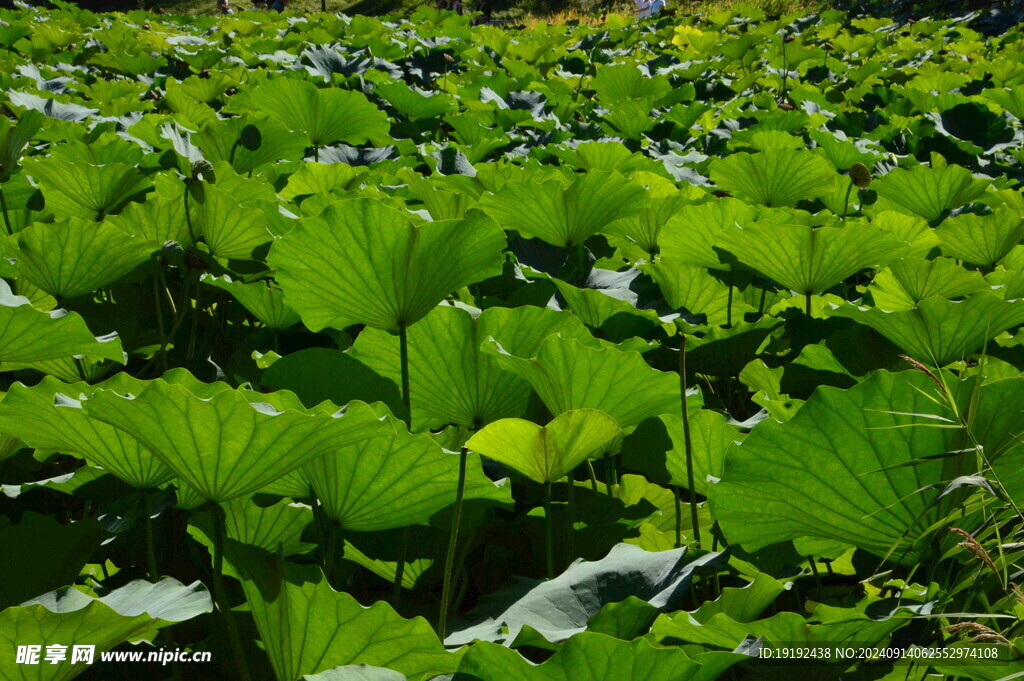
[(728, 303), (154, 572), (221, 596), (188, 221), (846, 201), (330, 550), (687, 441), (403, 547), (807, 303), (677, 493), (160, 322), (571, 511), (403, 352), (453, 540), (593, 475), (7, 219), (814, 571), (549, 550)]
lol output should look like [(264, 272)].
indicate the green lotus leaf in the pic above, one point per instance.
[(158, 220), (134, 612), (905, 283), (547, 453), (691, 288), (740, 604), (75, 257), (660, 444), (568, 375), (779, 177), (307, 627), (450, 379), (611, 311), (929, 192), (559, 608), (224, 446), (623, 82), (940, 331), (565, 215), (264, 302), (810, 260), (690, 236), (981, 239), (356, 672), (414, 104), (379, 552), (834, 471), (326, 115), (362, 261), (85, 190), (319, 178), (29, 335), (14, 137), (586, 657), (248, 142), (43, 417), (391, 478), (644, 228), (41, 554), (229, 228), (909, 229)]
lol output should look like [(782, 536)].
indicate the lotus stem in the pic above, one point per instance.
[(677, 494), (3, 209), (687, 441), (549, 550), (221, 596), (846, 201), (160, 322), (453, 540), (188, 219), (330, 550), (151, 566), (807, 303), (571, 512), (403, 353), (593, 475), (728, 303), (814, 571), (396, 589)]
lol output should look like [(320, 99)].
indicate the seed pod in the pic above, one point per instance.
[(860, 175), (203, 170)]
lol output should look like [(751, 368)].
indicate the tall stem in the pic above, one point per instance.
[(549, 549), (593, 475), (330, 550), (677, 493), (3, 209), (687, 442), (403, 352), (220, 594), (396, 589), (571, 512), (453, 540), (807, 303), (160, 322), (728, 303), (151, 567)]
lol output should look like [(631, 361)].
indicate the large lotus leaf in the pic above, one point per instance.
[(658, 449), (412, 103), (691, 288), (319, 178), (86, 190), (30, 335), (75, 257), (362, 261), (547, 453), (568, 375), (810, 260), (14, 137), (224, 446), (356, 672), (157, 220), (393, 480), (307, 627), (263, 301), (134, 612), (40, 416), (623, 82), (741, 604), (834, 471), (905, 283), (276, 528), (559, 608), (586, 657), (230, 228), (928, 192), (690, 236), (327, 115), (248, 142), (997, 420), (779, 177), (565, 215), (612, 311), (450, 379), (381, 552), (40, 554), (940, 331), (644, 228), (981, 239)]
